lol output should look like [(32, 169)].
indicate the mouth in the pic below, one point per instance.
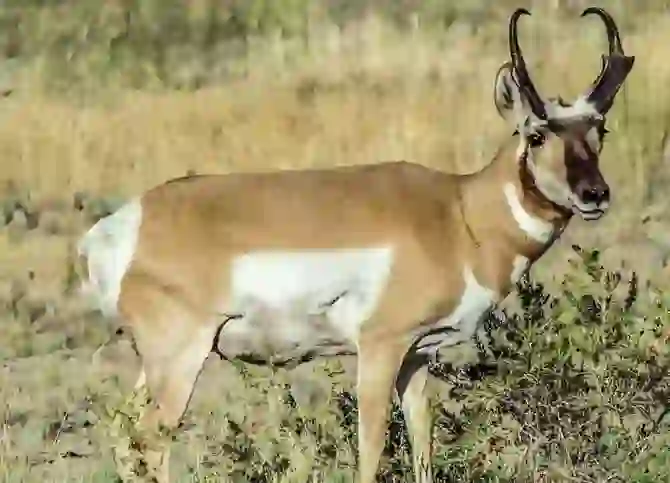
[(589, 214)]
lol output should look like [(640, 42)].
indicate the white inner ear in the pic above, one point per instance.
[(520, 109), (508, 99)]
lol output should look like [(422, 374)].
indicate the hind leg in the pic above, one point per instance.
[(173, 341), (124, 456), (171, 372)]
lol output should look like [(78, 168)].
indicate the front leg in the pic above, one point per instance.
[(412, 391), (378, 365)]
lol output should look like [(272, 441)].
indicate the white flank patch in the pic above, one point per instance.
[(536, 228), (109, 246), (305, 283), (475, 300), (519, 267)]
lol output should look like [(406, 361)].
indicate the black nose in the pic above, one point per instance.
[(595, 194)]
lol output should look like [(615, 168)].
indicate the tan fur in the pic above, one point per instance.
[(172, 293)]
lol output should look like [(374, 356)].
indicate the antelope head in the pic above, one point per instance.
[(560, 143)]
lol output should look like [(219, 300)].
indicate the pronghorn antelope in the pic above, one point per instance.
[(389, 261)]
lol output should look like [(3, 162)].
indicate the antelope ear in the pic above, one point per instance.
[(507, 96)]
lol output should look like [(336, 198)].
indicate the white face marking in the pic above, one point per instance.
[(519, 266), (549, 185), (579, 111), (475, 300), (536, 228), (110, 246), (593, 139), (284, 292)]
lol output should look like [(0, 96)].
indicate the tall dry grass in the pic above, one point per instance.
[(366, 93), (363, 93)]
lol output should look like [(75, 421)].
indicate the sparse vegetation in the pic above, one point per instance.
[(105, 99)]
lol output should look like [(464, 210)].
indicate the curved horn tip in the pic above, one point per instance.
[(520, 11), (595, 10)]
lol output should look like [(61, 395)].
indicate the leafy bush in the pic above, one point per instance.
[(580, 382), (574, 385)]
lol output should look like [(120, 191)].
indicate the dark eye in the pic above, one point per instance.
[(536, 139)]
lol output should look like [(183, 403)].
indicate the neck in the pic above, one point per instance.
[(507, 216)]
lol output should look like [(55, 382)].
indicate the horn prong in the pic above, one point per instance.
[(615, 66)]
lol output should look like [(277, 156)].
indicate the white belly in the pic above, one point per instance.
[(291, 303)]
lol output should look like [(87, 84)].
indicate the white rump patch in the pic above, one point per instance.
[(462, 323), (536, 228), (282, 291), (519, 266), (109, 246)]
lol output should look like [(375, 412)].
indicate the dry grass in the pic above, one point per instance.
[(363, 94)]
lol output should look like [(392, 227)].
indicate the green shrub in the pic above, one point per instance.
[(569, 387)]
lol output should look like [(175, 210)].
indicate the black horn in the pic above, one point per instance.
[(519, 65), (616, 65), (613, 38)]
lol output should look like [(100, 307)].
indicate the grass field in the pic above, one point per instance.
[(581, 378)]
